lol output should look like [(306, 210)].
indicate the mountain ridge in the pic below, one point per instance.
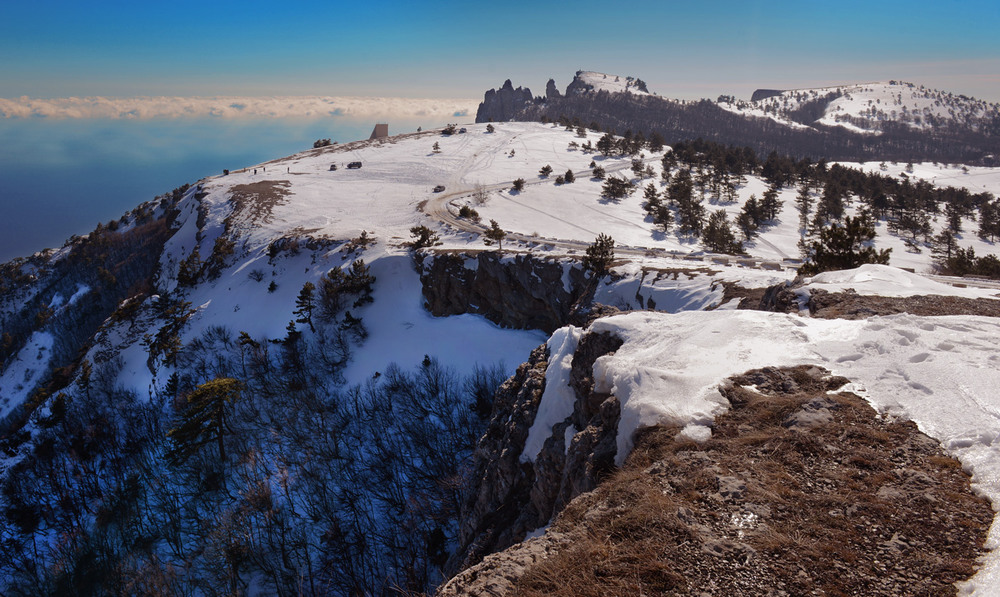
[(932, 131)]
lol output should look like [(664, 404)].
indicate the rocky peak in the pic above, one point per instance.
[(551, 91), (503, 104)]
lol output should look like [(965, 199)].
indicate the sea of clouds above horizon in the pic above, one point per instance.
[(140, 108)]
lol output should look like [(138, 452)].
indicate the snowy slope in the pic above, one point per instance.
[(273, 206), (293, 220), (863, 107)]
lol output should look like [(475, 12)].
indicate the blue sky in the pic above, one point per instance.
[(53, 48)]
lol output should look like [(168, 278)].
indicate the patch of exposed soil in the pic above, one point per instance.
[(254, 202), (850, 305), (799, 492)]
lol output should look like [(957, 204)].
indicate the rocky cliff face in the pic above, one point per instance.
[(503, 104), (518, 292), (760, 94), (578, 86), (511, 497)]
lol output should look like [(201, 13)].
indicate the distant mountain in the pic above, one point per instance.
[(875, 121)]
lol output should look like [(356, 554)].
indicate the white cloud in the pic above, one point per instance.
[(234, 107)]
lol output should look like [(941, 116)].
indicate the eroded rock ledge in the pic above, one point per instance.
[(851, 305), (518, 291), (801, 490), (510, 498)]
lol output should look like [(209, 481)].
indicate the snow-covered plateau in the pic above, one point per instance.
[(246, 281)]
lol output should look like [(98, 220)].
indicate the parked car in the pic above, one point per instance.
[(439, 188), (354, 165), (333, 166)]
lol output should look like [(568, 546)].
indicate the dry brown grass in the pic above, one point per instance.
[(856, 506), (254, 202)]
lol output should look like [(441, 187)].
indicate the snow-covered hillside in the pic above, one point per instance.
[(297, 278), (865, 107), (272, 211)]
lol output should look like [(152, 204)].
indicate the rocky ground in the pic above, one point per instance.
[(851, 305), (800, 491)]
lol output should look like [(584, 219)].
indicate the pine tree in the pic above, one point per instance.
[(638, 167), (189, 269), (656, 142), (913, 221), (354, 326), (844, 246), (600, 255), (305, 304), (750, 217), (943, 247), (616, 188), (494, 234), (424, 237), (606, 144), (770, 205), (954, 216), (518, 184), (803, 202), (669, 162), (203, 419), (652, 197), (359, 282), (690, 211), (718, 235), (569, 177), (989, 220), (545, 171), (664, 217)]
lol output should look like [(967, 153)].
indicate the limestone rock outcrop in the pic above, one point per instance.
[(503, 104), (511, 496), (551, 91), (517, 292)]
